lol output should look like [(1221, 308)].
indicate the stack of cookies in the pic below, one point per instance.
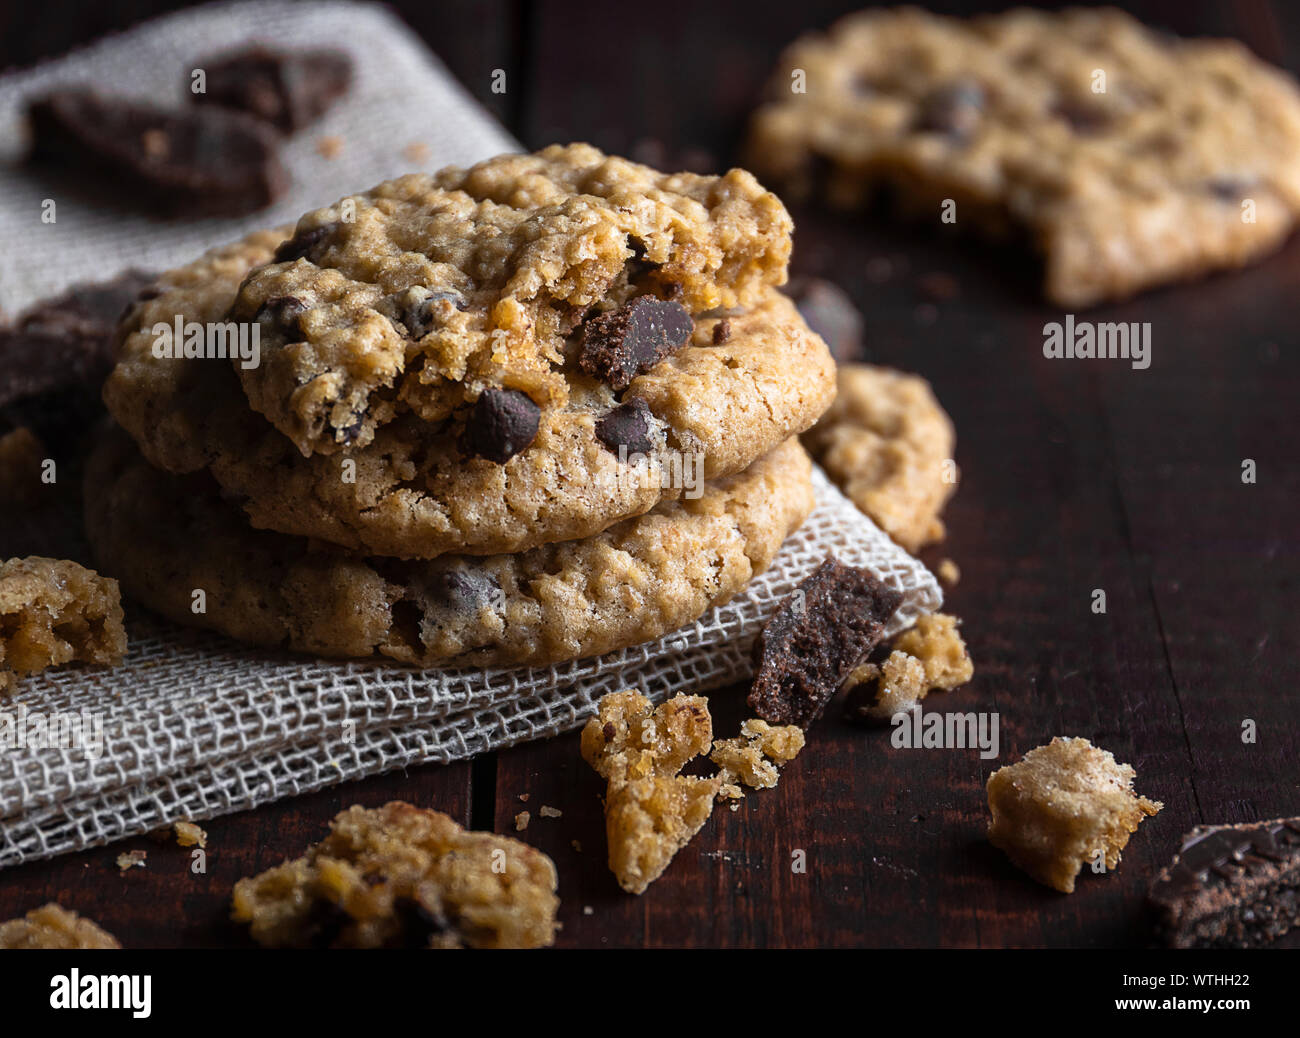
[(536, 410)]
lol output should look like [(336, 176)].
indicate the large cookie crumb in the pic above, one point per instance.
[(753, 758), (53, 926), (928, 657)]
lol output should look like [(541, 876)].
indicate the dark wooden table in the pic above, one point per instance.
[(1077, 475)]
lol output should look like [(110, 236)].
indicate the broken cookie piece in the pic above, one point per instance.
[(1231, 886), (402, 876), (651, 811), (52, 612), (1063, 806), (53, 926), (822, 630), (752, 759), (928, 657)]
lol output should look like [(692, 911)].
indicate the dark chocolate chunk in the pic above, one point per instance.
[(303, 244), (56, 355), (953, 110), (722, 331), (501, 423), (287, 89), (627, 425), (621, 344), (280, 315), (192, 162), (1231, 886), (824, 628), (831, 314)]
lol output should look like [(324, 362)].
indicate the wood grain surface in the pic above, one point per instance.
[(1077, 475)]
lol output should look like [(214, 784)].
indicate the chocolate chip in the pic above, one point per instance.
[(954, 110), (824, 629), (722, 331), (831, 314), (422, 314), (628, 425), (303, 243), (324, 923), (501, 423), (608, 731), (282, 314), (621, 344), (287, 89)]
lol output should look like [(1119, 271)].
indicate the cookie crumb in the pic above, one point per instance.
[(53, 926), (523, 797), (329, 147), (753, 758), (576, 845), (1063, 806), (931, 656), (131, 860), (416, 151), (948, 572), (588, 910), (521, 821), (549, 812), (190, 835)]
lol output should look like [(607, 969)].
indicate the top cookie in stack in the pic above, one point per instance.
[(480, 345), (559, 347)]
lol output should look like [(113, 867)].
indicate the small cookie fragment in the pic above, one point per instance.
[(888, 444), (288, 89), (1231, 886), (192, 162), (620, 344), (53, 611), (651, 811), (53, 926), (928, 657), (831, 313), (402, 876), (822, 630), (128, 860), (190, 835), (752, 759), (1062, 805), (948, 572)]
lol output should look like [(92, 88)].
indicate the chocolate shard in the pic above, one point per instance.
[(627, 425), (620, 344), (288, 89), (1231, 886), (823, 629), (831, 314), (56, 354), (191, 162), (501, 423)]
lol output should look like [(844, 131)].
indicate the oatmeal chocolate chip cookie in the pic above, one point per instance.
[(1063, 805), (52, 612), (1131, 157), (888, 444), (415, 491), (164, 536), (400, 876), (651, 810), (818, 634), (416, 297), (53, 926)]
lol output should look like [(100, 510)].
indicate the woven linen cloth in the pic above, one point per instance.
[(193, 725)]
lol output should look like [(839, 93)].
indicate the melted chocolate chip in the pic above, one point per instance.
[(422, 316), (954, 110), (501, 423), (722, 331), (281, 314), (303, 244), (621, 344), (628, 425)]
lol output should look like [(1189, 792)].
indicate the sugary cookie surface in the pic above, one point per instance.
[(401, 876), (1062, 807), (651, 811), (423, 293), (1129, 155), (53, 611), (888, 444), (53, 926)]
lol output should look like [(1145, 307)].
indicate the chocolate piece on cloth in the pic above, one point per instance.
[(1231, 886), (823, 629), (288, 89), (621, 344), (201, 161)]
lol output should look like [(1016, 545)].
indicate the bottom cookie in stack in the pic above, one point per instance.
[(166, 537)]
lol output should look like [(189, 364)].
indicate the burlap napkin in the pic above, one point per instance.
[(193, 725)]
